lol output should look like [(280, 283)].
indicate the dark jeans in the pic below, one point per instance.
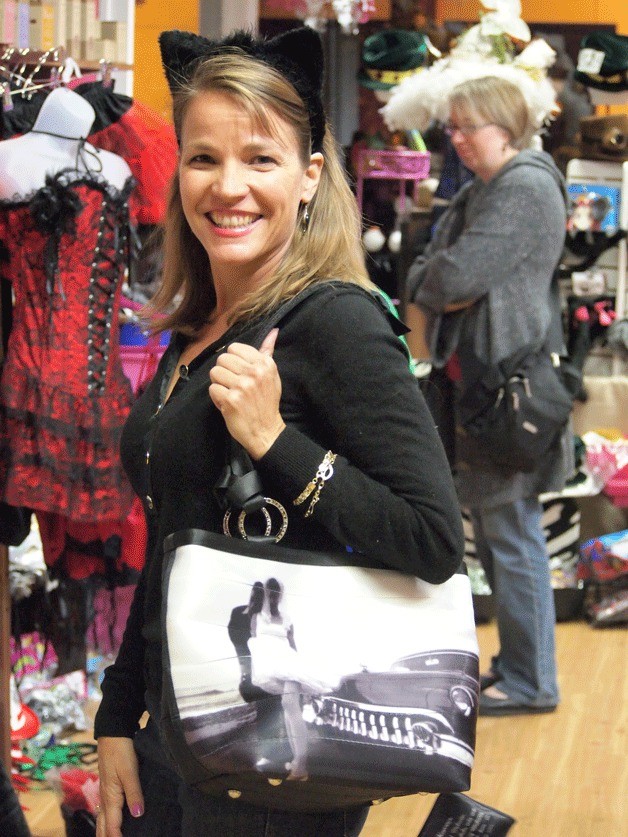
[(173, 809)]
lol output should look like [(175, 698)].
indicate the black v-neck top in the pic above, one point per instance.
[(346, 387)]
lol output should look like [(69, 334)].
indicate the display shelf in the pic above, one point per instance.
[(276, 10), (110, 13), (613, 263), (32, 58)]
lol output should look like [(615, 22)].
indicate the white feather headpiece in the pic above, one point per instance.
[(486, 49)]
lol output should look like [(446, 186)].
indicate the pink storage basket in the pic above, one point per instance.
[(389, 164)]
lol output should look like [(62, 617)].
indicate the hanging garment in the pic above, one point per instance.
[(143, 138), (111, 550), (21, 118), (63, 395)]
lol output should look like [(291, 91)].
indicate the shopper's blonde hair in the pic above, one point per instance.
[(331, 246), (498, 101)]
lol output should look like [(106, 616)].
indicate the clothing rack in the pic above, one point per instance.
[(26, 70), (5, 640), (22, 72), (31, 69), (5, 659)]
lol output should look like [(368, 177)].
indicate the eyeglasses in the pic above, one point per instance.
[(465, 130)]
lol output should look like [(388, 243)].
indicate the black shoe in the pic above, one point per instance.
[(488, 679), (498, 707)]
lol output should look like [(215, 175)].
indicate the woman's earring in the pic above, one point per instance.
[(305, 219)]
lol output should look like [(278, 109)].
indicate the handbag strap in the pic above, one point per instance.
[(239, 485), (552, 346)]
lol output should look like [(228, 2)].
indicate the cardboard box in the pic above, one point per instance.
[(22, 26), (8, 15), (73, 48), (73, 19), (73, 28), (116, 31), (61, 22), (42, 25), (90, 27), (101, 50), (90, 24)]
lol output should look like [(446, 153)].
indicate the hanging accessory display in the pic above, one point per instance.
[(603, 61), (380, 668), (390, 56)]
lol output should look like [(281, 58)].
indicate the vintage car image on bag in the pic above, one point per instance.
[(438, 716)]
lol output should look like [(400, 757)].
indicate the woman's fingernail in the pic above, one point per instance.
[(137, 810)]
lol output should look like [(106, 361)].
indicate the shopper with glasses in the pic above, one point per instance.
[(485, 285)]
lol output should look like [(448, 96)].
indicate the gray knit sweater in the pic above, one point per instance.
[(498, 243)]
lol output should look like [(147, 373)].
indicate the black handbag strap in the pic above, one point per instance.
[(239, 485), (552, 346)]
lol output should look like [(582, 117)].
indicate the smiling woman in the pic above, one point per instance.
[(260, 210), (241, 190)]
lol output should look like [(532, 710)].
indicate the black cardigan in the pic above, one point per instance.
[(346, 387)]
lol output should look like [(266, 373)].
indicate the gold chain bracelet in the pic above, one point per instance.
[(325, 472)]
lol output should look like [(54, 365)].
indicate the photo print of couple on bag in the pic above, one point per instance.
[(277, 693)]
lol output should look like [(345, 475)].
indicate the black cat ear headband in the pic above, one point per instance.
[(296, 54)]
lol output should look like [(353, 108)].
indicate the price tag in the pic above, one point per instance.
[(590, 60)]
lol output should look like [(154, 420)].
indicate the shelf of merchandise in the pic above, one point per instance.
[(124, 11), (613, 263), (121, 71)]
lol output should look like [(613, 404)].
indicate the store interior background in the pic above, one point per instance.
[(214, 18), (533, 768), (495, 767)]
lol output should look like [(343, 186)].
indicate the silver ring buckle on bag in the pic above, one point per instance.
[(267, 531)]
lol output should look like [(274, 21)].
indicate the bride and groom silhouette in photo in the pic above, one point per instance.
[(263, 638)]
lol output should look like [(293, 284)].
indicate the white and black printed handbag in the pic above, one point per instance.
[(384, 666), (299, 681), (296, 680)]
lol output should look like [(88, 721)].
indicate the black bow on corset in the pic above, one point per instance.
[(54, 209)]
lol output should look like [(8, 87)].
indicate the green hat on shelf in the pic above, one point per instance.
[(603, 61), (390, 56)]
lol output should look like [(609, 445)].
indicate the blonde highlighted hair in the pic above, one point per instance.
[(329, 248)]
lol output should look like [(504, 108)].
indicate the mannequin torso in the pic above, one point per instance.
[(56, 143)]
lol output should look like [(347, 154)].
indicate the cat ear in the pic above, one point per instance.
[(303, 48), (180, 52)]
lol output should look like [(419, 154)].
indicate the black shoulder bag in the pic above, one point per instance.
[(516, 410)]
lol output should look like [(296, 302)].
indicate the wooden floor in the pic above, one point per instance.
[(559, 775)]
